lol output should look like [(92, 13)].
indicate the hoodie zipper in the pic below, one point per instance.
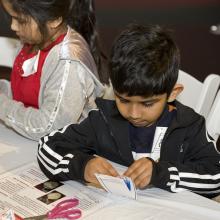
[(111, 134)]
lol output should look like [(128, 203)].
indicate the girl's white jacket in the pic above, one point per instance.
[(68, 87)]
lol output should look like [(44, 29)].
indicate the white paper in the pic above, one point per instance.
[(24, 191), (7, 215), (6, 148), (122, 186)]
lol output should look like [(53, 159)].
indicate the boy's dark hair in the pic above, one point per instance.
[(144, 61), (78, 14)]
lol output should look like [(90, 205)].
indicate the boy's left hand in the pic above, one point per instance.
[(140, 172)]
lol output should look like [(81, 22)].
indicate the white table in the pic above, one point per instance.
[(157, 204), (15, 150), (152, 204)]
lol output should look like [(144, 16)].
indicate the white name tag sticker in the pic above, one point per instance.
[(156, 147)]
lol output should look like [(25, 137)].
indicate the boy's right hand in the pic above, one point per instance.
[(98, 165)]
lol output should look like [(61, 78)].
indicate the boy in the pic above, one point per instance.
[(162, 142)]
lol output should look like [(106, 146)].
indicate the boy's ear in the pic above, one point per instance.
[(55, 23), (177, 89)]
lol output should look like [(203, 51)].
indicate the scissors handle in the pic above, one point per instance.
[(73, 202), (64, 206), (64, 209), (72, 215)]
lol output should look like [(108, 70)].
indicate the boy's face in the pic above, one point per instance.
[(141, 111)]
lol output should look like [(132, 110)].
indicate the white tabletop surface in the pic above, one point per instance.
[(157, 204), (15, 150), (152, 204)]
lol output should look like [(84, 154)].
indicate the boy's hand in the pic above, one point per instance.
[(140, 172), (98, 165)]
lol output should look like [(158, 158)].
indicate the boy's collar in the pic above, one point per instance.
[(171, 107)]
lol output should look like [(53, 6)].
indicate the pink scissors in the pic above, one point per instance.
[(64, 209)]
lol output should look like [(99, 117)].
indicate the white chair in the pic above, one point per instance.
[(109, 93), (213, 120), (198, 95), (8, 51)]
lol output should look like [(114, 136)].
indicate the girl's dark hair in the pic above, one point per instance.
[(78, 14), (144, 61)]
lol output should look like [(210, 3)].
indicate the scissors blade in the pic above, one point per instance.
[(39, 217)]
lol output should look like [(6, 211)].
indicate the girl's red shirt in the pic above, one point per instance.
[(26, 89)]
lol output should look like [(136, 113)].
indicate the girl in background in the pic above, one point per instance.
[(56, 75)]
